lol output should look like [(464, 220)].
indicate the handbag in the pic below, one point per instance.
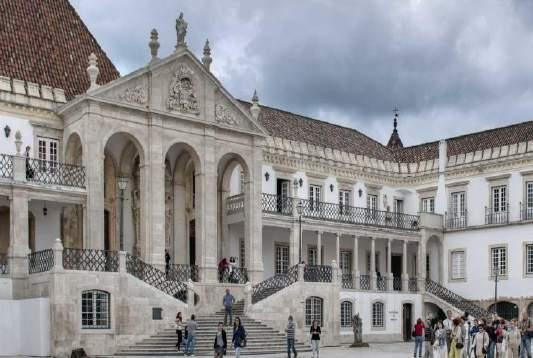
[(459, 345)]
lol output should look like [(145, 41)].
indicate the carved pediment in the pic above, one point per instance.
[(134, 95), (182, 95), (224, 115)]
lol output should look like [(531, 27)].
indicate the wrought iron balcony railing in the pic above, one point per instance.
[(397, 283), (497, 215), (318, 273), (235, 204), (238, 275), (526, 212), (277, 204), (6, 166), (456, 220), (56, 173), (381, 283), (90, 260), (4, 264), (364, 282), (412, 284), (41, 261), (182, 272), (274, 284), (347, 281)]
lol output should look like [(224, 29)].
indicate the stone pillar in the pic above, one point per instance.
[(373, 277), (318, 248), (58, 255), (248, 290), (122, 262), (405, 276), (19, 168), (18, 242), (355, 263), (338, 248), (301, 268), (190, 295), (293, 245), (421, 266), (336, 273), (390, 276)]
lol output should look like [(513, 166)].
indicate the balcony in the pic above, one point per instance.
[(276, 204), (235, 204), (526, 212), (456, 220), (497, 216)]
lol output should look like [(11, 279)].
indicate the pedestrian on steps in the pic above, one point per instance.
[(179, 330), (221, 343), (228, 300), (191, 335), (315, 339), (290, 330), (239, 337)]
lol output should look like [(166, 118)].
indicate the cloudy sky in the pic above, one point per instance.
[(451, 66)]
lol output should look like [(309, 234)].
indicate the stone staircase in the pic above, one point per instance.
[(260, 338)]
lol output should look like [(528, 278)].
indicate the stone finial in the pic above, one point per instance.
[(255, 109), (181, 31), (93, 71), (206, 60), (154, 44), (18, 142)]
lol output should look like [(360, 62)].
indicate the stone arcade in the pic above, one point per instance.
[(100, 174)]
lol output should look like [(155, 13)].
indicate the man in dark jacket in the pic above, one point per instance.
[(221, 343), (429, 338)]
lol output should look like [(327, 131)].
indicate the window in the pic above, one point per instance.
[(95, 313), (428, 272), (458, 265), (398, 206), (529, 259), (312, 255), (528, 210), (458, 208), (282, 259), (377, 315), (48, 153), (346, 314), (344, 201), (313, 311), (498, 260), (314, 196), (499, 199), (241, 181), (428, 205), (345, 264), (242, 253), (372, 202)]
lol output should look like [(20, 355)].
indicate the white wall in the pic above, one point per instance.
[(7, 145), (47, 228), (25, 327)]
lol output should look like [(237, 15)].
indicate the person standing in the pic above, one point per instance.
[(448, 326), (457, 339), (315, 339), (418, 333), (239, 337), (429, 338), (228, 302), (221, 343), (481, 342), (527, 332), (191, 335), (491, 331), (179, 330), (290, 330), (514, 338), (167, 262), (440, 348)]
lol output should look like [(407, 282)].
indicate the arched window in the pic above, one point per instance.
[(346, 314), (506, 310), (378, 313), (95, 309), (313, 310)]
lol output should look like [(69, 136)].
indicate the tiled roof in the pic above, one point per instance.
[(46, 42)]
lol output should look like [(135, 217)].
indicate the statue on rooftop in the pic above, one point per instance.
[(181, 31)]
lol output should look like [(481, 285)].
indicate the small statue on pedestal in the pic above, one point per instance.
[(357, 326)]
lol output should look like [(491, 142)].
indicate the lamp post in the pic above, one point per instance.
[(496, 290), (299, 209), (122, 182)]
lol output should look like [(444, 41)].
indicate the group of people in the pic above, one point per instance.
[(227, 269), (464, 337)]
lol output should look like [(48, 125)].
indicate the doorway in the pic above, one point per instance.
[(396, 267), (192, 242), (107, 244), (407, 321)]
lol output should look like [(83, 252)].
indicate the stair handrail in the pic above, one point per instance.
[(455, 300), (151, 275), (274, 284)]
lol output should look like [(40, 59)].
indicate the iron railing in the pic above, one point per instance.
[(455, 300), (90, 260), (235, 204), (276, 204), (274, 284), (6, 166), (364, 282), (238, 275), (155, 277), (412, 284), (182, 272), (41, 261), (526, 212), (4, 264), (381, 283), (397, 283), (51, 172), (347, 281), (497, 217), (456, 220), (318, 273)]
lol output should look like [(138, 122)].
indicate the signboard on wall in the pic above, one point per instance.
[(393, 315)]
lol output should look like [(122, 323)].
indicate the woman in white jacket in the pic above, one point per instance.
[(481, 342), (440, 348)]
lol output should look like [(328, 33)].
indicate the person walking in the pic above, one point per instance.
[(418, 333), (440, 348), (191, 335), (481, 342), (513, 338), (239, 337), (315, 339), (429, 338), (221, 343), (457, 339), (501, 343), (491, 331), (526, 332), (290, 330), (179, 330), (228, 300)]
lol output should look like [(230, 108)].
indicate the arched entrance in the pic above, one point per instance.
[(433, 259), (506, 310), (407, 321), (433, 312)]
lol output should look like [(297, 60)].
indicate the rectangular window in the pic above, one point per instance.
[(458, 265), (398, 206), (529, 194), (529, 259), (345, 264), (282, 259), (314, 197), (344, 200), (499, 261), (242, 253), (378, 315), (372, 202), (499, 198), (428, 205), (48, 149), (458, 208), (312, 255), (95, 311)]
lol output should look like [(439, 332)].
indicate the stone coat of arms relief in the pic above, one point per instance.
[(182, 96)]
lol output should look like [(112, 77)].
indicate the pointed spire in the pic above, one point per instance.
[(255, 109), (154, 45), (206, 60), (395, 140), (93, 72), (181, 31)]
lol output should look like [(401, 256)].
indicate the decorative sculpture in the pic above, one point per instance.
[(154, 44), (206, 60), (135, 95), (181, 31), (182, 96), (357, 326), (224, 115)]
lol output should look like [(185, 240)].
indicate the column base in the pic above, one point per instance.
[(356, 275), (390, 282), (19, 274)]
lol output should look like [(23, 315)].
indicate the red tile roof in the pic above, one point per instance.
[(46, 42)]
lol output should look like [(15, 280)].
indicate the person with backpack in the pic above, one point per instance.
[(290, 330), (239, 337), (221, 343), (418, 333), (315, 339)]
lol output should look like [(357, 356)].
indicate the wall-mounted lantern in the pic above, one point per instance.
[(301, 182), (267, 176), (331, 187), (360, 192), (45, 209), (7, 131)]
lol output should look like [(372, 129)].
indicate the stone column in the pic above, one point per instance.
[(355, 263), (94, 238), (338, 248), (293, 245), (301, 268), (58, 255), (421, 266), (390, 276), (248, 290), (373, 277), (405, 276), (318, 248), (122, 262), (190, 295), (18, 242)]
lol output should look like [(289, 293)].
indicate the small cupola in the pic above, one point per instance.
[(395, 140)]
